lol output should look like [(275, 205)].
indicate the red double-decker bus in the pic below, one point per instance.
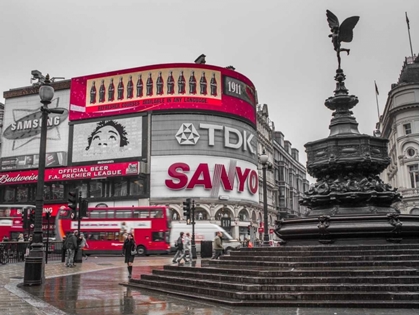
[(11, 220), (105, 229)]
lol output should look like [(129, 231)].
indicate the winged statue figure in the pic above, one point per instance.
[(341, 33)]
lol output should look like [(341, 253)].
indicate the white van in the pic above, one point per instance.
[(203, 232)]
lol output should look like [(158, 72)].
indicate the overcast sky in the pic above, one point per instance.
[(281, 46)]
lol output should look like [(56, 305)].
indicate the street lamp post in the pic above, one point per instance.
[(265, 164), (35, 263)]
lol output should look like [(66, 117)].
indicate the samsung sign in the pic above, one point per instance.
[(203, 135)]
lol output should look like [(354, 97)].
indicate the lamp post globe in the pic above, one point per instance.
[(264, 162), (46, 91), (35, 262)]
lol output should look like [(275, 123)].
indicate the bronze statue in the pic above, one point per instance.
[(341, 33)]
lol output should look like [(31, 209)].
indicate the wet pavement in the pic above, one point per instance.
[(93, 288)]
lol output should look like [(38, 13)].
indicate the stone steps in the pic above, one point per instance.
[(296, 279), (279, 302), (280, 295), (327, 248), (248, 287), (286, 252), (323, 276), (352, 257), (314, 264), (310, 272)]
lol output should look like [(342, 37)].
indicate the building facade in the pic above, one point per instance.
[(399, 123), (153, 135)]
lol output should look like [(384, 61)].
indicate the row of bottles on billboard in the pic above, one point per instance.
[(138, 90)]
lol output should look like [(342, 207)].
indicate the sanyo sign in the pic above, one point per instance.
[(232, 137), (202, 176)]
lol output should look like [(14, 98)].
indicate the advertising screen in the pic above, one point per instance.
[(108, 139), (163, 87), (177, 134), (21, 132)]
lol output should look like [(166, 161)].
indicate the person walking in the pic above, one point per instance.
[(129, 251), (63, 250), (186, 249), (83, 246), (217, 244), (179, 247), (21, 247), (78, 241), (71, 246)]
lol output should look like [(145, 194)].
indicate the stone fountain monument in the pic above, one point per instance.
[(349, 202), (349, 251)]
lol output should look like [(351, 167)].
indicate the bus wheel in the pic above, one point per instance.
[(141, 251)]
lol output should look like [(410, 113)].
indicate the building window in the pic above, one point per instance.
[(407, 129), (411, 152), (281, 170), (137, 187), (414, 175)]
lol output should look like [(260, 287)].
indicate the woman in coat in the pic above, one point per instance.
[(128, 247)]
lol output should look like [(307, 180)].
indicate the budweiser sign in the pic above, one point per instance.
[(72, 173)]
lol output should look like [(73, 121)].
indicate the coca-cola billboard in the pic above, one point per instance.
[(204, 177), (72, 173), (165, 87)]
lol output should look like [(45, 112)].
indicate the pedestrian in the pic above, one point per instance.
[(179, 247), (63, 250), (21, 248), (186, 249), (71, 246), (217, 245), (129, 251), (78, 241), (83, 246)]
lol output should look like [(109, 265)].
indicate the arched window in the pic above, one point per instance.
[(414, 211), (175, 215), (201, 214), (223, 213), (243, 215)]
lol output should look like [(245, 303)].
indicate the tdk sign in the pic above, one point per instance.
[(188, 135)]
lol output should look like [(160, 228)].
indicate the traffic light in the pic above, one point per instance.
[(187, 208), (25, 220), (31, 218), (249, 229), (83, 208), (73, 203)]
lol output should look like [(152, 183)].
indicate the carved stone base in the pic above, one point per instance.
[(348, 229)]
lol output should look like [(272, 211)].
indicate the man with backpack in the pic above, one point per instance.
[(71, 245), (179, 247)]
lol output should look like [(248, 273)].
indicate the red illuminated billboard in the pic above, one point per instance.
[(163, 87), (72, 173)]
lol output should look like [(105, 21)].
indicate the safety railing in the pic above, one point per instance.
[(14, 252)]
